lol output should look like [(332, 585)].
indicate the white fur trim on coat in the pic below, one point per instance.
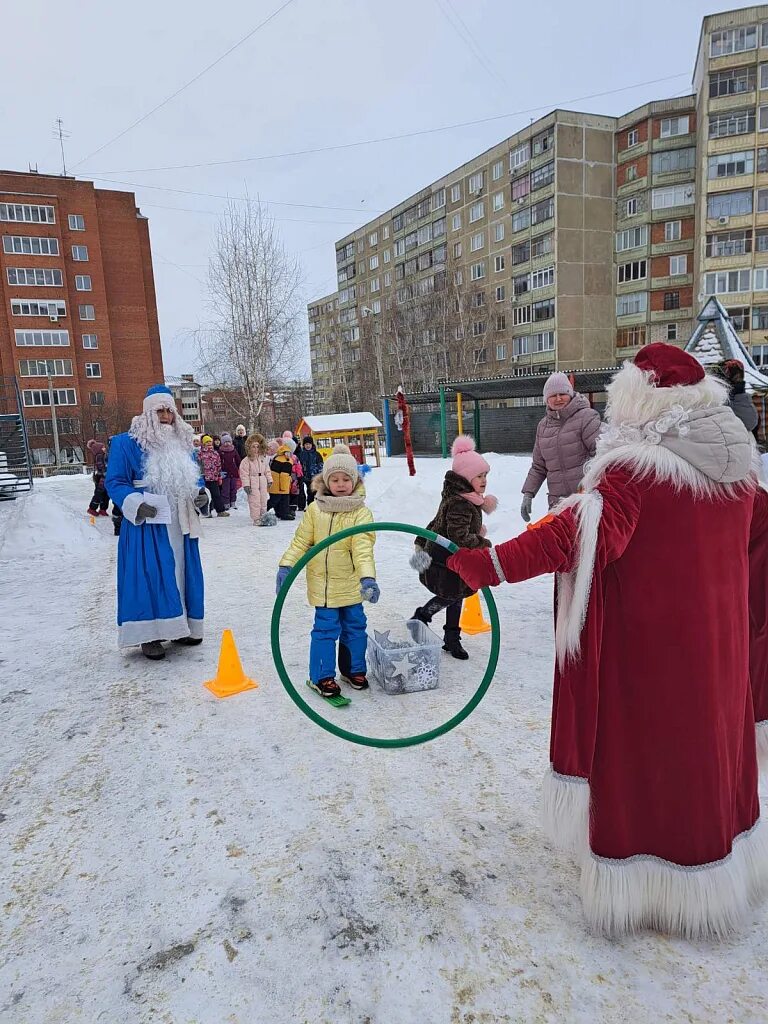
[(565, 811), (761, 736), (574, 588)]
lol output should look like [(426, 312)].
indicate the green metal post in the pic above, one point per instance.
[(443, 424), (478, 445)]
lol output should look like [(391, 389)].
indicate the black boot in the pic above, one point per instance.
[(422, 616), (453, 643)]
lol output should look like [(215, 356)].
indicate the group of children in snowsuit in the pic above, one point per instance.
[(338, 583)]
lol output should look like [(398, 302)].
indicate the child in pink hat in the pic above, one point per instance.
[(460, 519)]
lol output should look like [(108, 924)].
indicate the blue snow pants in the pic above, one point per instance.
[(347, 625)]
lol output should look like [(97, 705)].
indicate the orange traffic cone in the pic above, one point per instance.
[(230, 678), (93, 520), (472, 620)]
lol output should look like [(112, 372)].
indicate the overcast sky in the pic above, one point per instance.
[(321, 72)]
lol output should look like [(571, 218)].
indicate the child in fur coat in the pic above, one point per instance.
[(256, 477), (460, 519)]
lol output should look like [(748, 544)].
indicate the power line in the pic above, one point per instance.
[(278, 220), (461, 30), (186, 85), (393, 138), (242, 199)]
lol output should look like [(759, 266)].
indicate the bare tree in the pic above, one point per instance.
[(255, 304)]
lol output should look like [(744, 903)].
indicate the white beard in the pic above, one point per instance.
[(169, 468)]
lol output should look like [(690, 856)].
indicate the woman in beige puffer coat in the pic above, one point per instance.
[(565, 439)]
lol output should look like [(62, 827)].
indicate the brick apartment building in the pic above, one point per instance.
[(569, 244), (78, 303)]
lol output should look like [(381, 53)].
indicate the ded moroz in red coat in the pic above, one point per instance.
[(661, 680)]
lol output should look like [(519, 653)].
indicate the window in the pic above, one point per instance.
[(29, 245), (456, 222), (477, 241), (733, 40), (458, 277), (387, 255), (544, 341), (386, 232), (543, 211), (373, 262), (42, 339), (673, 160), (763, 77), (732, 82), (635, 271), (543, 310), (671, 332), (671, 300), (480, 355), (520, 188), (76, 222), (521, 315), (631, 173), (361, 245), (399, 246), (723, 281), (459, 332), (411, 240), (376, 305), (90, 341), (498, 170), (501, 350), (476, 211), (673, 230), (375, 284), (519, 156), (498, 232), (735, 122), (762, 200), (388, 279), (478, 328), (43, 367), (728, 164), (456, 192), (542, 245), (760, 280), (542, 143), (631, 207), (438, 199), (761, 240), (80, 253), (739, 317), (499, 264), (674, 195), (542, 278), (674, 126), (678, 265), (760, 323), (500, 293), (94, 369), (521, 284), (27, 214), (520, 345), (498, 201), (38, 307), (34, 276), (477, 271), (521, 219), (83, 283), (476, 181), (457, 250), (629, 305), (760, 353), (521, 253), (345, 253), (630, 337), (97, 398), (542, 175), (423, 235), (61, 396), (478, 299), (89, 313), (729, 204)]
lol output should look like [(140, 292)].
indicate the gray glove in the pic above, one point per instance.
[(247, 491), (201, 500), (145, 511), (525, 508)]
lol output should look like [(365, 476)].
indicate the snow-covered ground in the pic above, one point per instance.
[(169, 857)]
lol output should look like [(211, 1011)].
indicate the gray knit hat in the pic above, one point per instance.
[(341, 461)]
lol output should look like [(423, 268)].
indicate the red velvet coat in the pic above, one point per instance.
[(654, 710)]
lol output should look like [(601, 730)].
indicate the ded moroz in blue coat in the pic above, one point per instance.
[(159, 573)]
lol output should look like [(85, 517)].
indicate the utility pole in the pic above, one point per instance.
[(54, 424)]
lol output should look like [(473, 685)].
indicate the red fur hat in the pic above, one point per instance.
[(669, 365)]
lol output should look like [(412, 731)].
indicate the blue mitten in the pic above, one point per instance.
[(282, 576), (369, 589)]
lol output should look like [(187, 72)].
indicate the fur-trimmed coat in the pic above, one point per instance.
[(661, 681), (461, 521)]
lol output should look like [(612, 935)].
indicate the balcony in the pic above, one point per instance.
[(672, 283), (736, 101), (631, 186), (676, 142), (672, 248), (673, 212), (632, 152), (659, 316)]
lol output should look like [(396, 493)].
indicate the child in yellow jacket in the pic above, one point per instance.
[(340, 578)]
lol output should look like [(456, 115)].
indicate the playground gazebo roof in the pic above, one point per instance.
[(528, 385)]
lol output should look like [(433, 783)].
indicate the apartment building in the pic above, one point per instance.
[(77, 302), (187, 394), (504, 262), (655, 224), (731, 85)]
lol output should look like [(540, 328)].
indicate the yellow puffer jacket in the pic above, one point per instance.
[(333, 576), (281, 467)]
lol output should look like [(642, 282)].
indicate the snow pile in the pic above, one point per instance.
[(51, 517)]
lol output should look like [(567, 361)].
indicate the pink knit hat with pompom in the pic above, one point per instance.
[(466, 461)]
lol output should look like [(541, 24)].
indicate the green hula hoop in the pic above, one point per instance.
[(345, 734)]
